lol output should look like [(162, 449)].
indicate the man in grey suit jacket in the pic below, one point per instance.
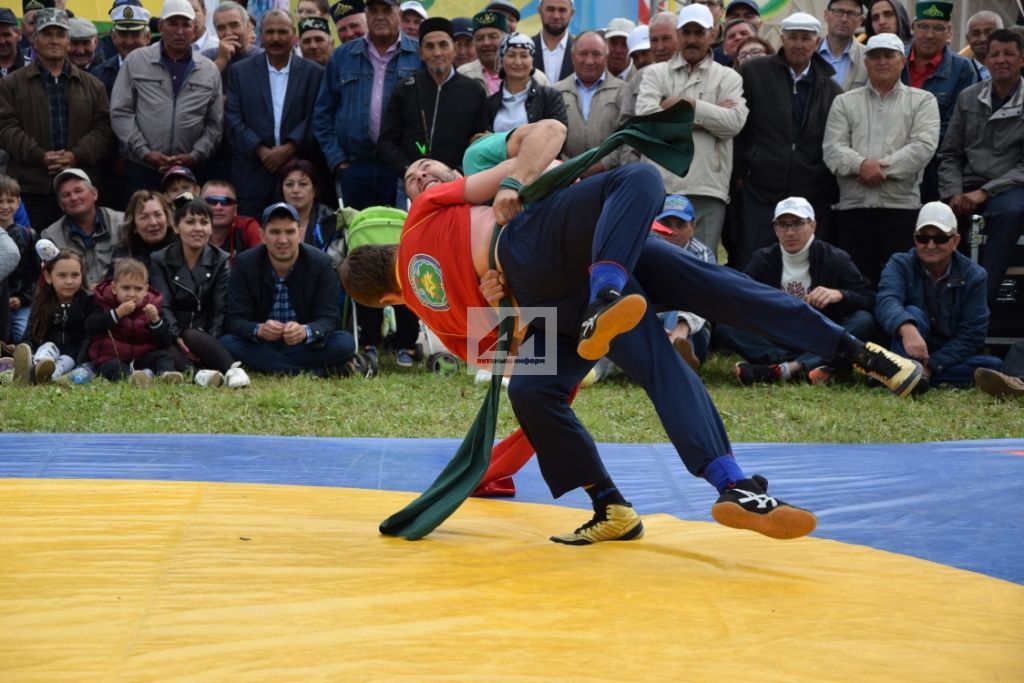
[(269, 112)]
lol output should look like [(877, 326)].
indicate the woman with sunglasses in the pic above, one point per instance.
[(145, 228), (192, 277)]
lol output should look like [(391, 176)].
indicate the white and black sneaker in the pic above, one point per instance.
[(747, 505), (606, 317)]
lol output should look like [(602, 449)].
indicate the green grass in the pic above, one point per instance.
[(416, 403)]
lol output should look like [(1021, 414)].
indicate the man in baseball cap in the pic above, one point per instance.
[(931, 301), (616, 36), (413, 14)]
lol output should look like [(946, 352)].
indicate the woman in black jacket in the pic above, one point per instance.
[(192, 277), (520, 100), (146, 228)]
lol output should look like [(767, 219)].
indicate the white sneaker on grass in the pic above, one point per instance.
[(209, 378), (235, 377)]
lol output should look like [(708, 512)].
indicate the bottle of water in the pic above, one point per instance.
[(83, 374)]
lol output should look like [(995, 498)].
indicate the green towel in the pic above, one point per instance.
[(665, 137)]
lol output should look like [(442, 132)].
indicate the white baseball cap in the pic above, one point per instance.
[(619, 28), (695, 13), (885, 41), (936, 215), (413, 6), (177, 8), (801, 21), (639, 39), (796, 206)]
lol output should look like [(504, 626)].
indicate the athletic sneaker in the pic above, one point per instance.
[(141, 378), (608, 316), (236, 377), (611, 523), (900, 375), (684, 348), (44, 370), (998, 384), (22, 364), (749, 374), (821, 375), (209, 378), (747, 505), (406, 358)]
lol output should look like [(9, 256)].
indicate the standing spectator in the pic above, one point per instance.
[(839, 48), (931, 301), (813, 271), (312, 9), (616, 37), (129, 31), (166, 108), (269, 111), (521, 98), (230, 232), (355, 88), (979, 26), (84, 42), (639, 43), (282, 310), (779, 154), (413, 14), (28, 24), (315, 42), (888, 16), (91, 231), (508, 8), (234, 36), (489, 30), (437, 111), (11, 58), (53, 116), (465, 51), (877, 142), (349, 19), (716, 7), (752, 48), (735, 32), (747, 10), (982, 157), (204, 38), (720, 110), (592, 98), (554, 43), (932, 65)]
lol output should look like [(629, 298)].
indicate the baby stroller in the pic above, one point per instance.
[(383, 225)]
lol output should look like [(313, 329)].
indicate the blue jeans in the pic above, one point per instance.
[(322, 358), (959, 375), (1004, 224), (19, 323)]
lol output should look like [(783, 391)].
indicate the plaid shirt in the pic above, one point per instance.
[(57, 94), (281, 310)]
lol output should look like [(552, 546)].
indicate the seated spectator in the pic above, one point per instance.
[(146, 228), (232, 232), (1007, 382), (298, 188), (21, 282), (177, 181), (282, 311), (751, 48), (981, 160), (91, 231), (9, 258), (813, 271), (931, 300), (690, 334), (736, 31), (56, 328), (521, 98), (129, 339), (192, 277)]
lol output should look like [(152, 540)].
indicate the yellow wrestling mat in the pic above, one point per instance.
[(184, 581)]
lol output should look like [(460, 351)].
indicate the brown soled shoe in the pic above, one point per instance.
[(684, 348), (606, 317), (998, 384), (747, 505)]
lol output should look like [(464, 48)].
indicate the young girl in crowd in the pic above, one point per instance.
[(57, 324), (129, 338), (192, 277)]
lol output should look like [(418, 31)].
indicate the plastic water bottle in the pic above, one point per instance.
[(82, 375)]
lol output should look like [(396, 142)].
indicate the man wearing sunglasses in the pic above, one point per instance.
[(231, 232), (931, 301)]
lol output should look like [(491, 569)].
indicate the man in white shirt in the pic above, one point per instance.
[(554, 44)]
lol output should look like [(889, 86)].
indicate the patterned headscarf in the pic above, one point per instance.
[(510, 41)]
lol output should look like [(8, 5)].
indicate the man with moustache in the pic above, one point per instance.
[(349, 19), (269, 110), (553, 56)]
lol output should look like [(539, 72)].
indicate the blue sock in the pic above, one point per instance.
[(722, 471), (606, 274)]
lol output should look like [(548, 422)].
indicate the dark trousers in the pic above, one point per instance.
[(43, 210), (545, 256), (757, 215), (211, 352), (959, 375), (871, 236), (158, 361), (1004, 225), (321, 358)]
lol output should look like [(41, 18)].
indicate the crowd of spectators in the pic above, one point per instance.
[(161, 143)]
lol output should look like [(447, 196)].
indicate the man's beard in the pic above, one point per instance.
[(554, 30)]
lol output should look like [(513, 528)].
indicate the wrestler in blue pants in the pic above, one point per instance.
[(545, 254)]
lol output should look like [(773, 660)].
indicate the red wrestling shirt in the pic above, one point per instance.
[(435, 264)]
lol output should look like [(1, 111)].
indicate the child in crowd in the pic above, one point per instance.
[(21, 282), (57, 324), (129, 338)]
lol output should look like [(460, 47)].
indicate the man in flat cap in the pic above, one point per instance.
[(84, 41), (53, 116), (349, 19)]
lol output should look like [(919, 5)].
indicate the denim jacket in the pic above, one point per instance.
[(341, 120), (953, 75), (957, 310)]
